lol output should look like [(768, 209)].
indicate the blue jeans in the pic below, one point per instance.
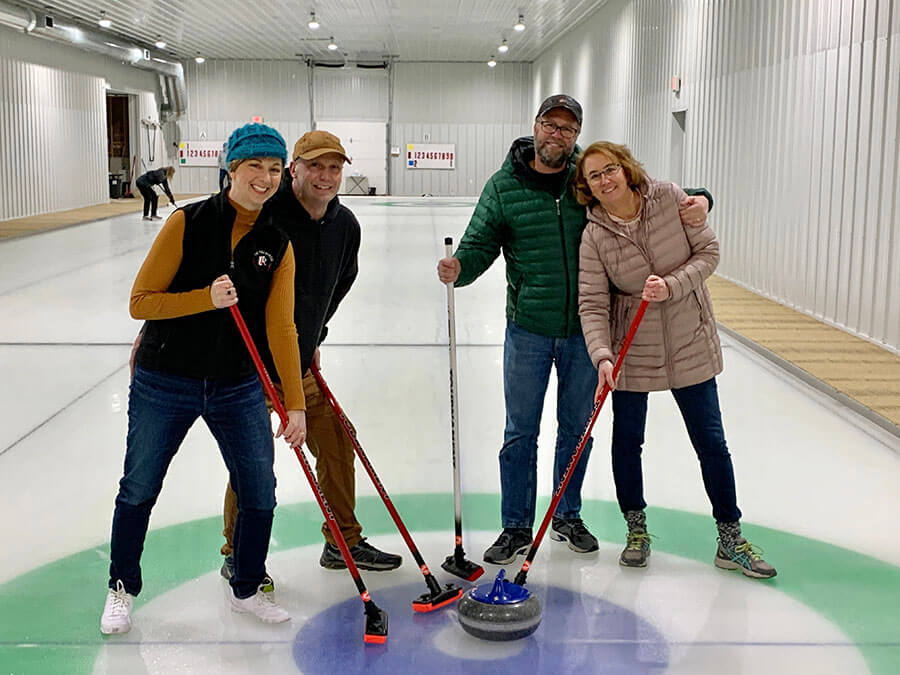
[(527, 360), (699, 405), (161, 409)]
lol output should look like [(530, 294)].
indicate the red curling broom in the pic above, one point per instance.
[(436, 597), (506, 610), (376, 618)]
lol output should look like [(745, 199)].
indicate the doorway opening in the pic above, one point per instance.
[(119, 145)]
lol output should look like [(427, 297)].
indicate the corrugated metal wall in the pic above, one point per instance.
[(223, 95), (351, 94), (53, 146), (479, 109), (52, 126), (791, 119)]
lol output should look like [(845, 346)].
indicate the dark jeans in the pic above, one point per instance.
[(161, 409), (699, 405), (151, 199), (527, 360)]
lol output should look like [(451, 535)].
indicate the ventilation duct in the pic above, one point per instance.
[(172, 97), (59, 29)]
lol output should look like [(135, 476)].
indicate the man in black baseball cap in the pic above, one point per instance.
[(561, 101), (556, 129)]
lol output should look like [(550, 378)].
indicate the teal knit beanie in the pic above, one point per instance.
[(255, 140)]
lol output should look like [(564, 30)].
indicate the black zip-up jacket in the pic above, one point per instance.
[(208, 344), (325, 253)]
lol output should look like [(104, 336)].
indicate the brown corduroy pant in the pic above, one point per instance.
[(328, 442)]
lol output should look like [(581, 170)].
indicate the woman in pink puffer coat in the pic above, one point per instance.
[(635, 247)]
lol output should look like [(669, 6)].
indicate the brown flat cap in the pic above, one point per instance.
[(316, 143)]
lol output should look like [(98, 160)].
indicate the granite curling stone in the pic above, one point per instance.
[(499, 611)]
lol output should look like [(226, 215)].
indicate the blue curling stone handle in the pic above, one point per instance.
[(501, 592)]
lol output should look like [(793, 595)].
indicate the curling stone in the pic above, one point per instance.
[(500, 611)]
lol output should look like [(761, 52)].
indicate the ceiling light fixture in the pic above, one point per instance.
[(160, 43), (520, 24), (104, 22), (503, 48), (332, 45), (491, 63), (313, 24), (199, 59)]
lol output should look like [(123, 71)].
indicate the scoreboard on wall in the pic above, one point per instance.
[(430, 156), (199, 153)]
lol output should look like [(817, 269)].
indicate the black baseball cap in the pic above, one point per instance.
[(561, 101)]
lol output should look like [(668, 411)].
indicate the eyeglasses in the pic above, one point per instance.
[(608, 171), (566, 132)]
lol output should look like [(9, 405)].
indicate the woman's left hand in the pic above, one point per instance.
[(693, 210), (655, 289), (295, 432)]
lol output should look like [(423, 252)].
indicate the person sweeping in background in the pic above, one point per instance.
[(145, 184)]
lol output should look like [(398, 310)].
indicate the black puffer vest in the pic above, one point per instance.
[(208, 345)]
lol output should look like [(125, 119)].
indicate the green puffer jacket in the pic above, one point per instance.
[(539, 234)]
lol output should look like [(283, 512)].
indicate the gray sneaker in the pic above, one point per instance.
[(512, 541), (574, 533), (745, 557), (365, 557), (637, 549)]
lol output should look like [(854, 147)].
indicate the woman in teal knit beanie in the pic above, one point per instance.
[(190, 362), (255, 140)]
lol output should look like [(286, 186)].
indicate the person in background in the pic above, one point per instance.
[(145, 184), (635, 247), (528, 211), (192, 362), (223, 169)]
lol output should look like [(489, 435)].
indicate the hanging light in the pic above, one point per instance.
[(491, 63), (520, 24), (104, 22), (503, 48), (160, 43), (313, 24), (332, 45), (199, 59)]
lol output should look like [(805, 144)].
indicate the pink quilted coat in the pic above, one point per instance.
[(677, 344)]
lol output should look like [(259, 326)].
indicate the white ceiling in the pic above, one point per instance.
[(408, 30)]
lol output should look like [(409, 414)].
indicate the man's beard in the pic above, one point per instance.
[(551, 156)]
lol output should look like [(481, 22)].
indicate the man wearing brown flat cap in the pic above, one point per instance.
[(325, 237)]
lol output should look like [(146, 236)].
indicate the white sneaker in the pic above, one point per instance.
[(262, 604), (117, 612)]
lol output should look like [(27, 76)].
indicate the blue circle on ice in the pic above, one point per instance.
[(577, 630)]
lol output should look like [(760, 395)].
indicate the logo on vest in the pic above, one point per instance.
[(263, 260)]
